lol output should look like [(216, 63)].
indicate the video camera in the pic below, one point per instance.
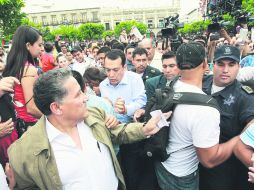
[(217, 24), (171, 24), (169, 32), (242, 17), (233, 7)]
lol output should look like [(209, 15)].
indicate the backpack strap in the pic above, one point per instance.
[(195, 99)]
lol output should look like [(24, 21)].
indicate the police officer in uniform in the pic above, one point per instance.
[(140, 61), (237, 110)]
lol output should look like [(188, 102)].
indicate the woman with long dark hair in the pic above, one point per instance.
[(27, 45)]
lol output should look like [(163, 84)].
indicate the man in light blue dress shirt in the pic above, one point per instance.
[(126, 91), (123, 88)]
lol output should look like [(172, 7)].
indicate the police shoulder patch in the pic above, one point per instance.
[(248, 89)]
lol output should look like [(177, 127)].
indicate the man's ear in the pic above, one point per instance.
[(55, 108)]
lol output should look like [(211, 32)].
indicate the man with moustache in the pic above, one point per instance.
[(154, 58), (140, 62)]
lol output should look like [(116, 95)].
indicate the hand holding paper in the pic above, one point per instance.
[(163, 118)]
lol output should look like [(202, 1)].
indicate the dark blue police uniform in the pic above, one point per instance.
[(237, 109)]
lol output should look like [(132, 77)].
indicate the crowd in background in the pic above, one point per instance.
[(120, 77)]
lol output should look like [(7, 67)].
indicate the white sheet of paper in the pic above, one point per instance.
[(163, 122)]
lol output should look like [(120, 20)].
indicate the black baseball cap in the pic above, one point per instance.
[(190, 55), (227, 52)]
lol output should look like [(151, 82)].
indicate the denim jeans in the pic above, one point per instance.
[(168, 181)]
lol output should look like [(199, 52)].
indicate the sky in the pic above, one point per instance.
[(186, 5)]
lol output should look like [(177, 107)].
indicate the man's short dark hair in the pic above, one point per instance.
[(95, 74), (201, 39), (139, 51), (76, 49), (118, 45), (90, 45), (168, 55), (129, 46), (115, 54), (48, 88), (48, 47), (103, 50), (107, 43), (113, 41)]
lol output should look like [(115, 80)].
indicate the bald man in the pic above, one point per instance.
[(154, 57)]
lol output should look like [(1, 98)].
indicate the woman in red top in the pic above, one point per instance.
[(27, 45)]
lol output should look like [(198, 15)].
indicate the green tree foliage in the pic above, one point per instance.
[(91, 31), (108, 33), (85, 31), (46, 33), (202, 25), (230, 20), (248, 5), (10, 16), (128, 25), (69, 32), (194, 27)]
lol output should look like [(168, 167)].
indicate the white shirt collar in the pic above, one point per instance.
[(52, 131)]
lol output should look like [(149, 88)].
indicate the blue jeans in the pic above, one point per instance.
[(168, 181)]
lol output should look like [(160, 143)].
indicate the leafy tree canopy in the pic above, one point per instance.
[(10, 16), (194, 27), (46, 33), (108, 33), (91, 31), (128, 25)]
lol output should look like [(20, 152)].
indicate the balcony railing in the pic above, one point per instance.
[(70, 22)]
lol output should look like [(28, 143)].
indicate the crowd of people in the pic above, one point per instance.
[(71, 115)]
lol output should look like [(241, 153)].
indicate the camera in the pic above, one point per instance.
[(171, 24), (242, 17), (232, 7), (214, 36), (217, 24), (169, 32)]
